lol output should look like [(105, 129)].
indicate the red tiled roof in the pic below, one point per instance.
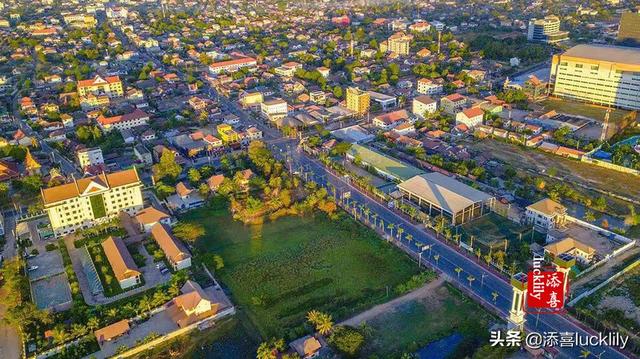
[(92, 82)]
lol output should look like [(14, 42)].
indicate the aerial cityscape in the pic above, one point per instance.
[(319, 179)]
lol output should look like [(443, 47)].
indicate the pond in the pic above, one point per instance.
[(440, 349)]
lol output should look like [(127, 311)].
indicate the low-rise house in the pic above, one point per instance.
[(192, 306), (186, 198), (579, 250), (123, 266), (143, 154), (214, 182), (546, 214), (113, 331), (174, 251), (150, 216), (307, 347), (470, 117), (390, 120)]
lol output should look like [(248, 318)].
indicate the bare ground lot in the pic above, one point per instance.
[(571, 170)]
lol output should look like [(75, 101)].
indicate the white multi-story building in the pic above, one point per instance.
[(274, 109), (88, 157), (429, 87), (546, 214), (546, 30), (470, 117), (232, 65), (90, 200), (123, 122), (423, 104), (598, 74)]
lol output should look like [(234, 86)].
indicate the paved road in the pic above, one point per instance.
[(449, 259)]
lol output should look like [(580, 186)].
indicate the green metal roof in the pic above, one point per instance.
[(383, 163)]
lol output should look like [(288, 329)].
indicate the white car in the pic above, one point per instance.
[(32, 268)]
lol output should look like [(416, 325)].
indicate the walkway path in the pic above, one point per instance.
[(9, 340), (425, 291)]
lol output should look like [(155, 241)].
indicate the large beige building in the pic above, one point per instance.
[(397, 43), (110, 86), (90, 200), (358, 101), (598, 74)]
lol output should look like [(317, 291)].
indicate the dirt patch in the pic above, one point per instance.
[(623, 303)]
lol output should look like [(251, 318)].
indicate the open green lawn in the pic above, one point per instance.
[(279, 271), (417, 323)]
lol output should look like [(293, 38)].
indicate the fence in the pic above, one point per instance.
[(603, 284)]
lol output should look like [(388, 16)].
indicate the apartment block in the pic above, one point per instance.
[(92, 200), (598, 74)]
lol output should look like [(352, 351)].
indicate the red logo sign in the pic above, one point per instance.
[(545, 290)]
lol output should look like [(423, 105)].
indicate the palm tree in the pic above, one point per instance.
[(391, 226), (409, 238), (458, 270), (584, 353), (93, 323), (470, 278), (400, 232), (367, 212), (436, 257), (478, 253), (312, 316), (59, 334), (325, 324), (145, 302), (112, 313), (495, 297), (375, 217), (78, 330)]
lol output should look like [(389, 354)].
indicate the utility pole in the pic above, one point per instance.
[(605, 125), (439, 35)]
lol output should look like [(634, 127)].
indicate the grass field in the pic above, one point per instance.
[(493, 229), (278, 271), (420, 322), (227, 339)]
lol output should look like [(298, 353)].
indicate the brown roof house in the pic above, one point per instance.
[(113, 331), (150, 216), (583, 252), (192, 306), (546, 214), (124, 268), (214, 182), (186, 198), (175, 252), (306, 347)]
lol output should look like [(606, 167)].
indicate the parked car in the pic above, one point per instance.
[(32, 268), (164, 271)]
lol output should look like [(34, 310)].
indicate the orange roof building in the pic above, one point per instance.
[(175, 252), (122, 264), (150, 216), (109, 85), (90, 200), (112, 331)]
